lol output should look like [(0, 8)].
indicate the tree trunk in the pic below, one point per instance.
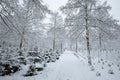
[(54, 32), (54, 45), (88, 46), (71, 46), (100, 41), (21, 43), (87, 35), (76, 46), (3, 44), (100, 45), (61, 48)]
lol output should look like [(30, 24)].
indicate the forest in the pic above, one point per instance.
[(80, 41)]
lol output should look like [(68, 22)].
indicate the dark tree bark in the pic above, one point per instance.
[(87, 35)]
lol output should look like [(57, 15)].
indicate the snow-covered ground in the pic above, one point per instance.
[(70, 66)]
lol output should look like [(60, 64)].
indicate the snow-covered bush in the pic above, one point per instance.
[(47, 58), (12, 63), (31, 71), (7, 68), (34, 60), (33, 53), (20, 52), (51, 56), (9, 62), (39, 67), (22, 60)]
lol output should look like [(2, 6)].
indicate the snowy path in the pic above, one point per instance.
[(68, 68), (74, 67)]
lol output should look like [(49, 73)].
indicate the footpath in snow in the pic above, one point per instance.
[(68, 67)]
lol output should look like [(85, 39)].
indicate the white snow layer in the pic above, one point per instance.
[(68, 67)]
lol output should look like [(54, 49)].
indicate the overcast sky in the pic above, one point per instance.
[(115, 4)]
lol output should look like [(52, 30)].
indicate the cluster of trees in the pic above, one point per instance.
[(91, 19), (21, 24), (18, 19)]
